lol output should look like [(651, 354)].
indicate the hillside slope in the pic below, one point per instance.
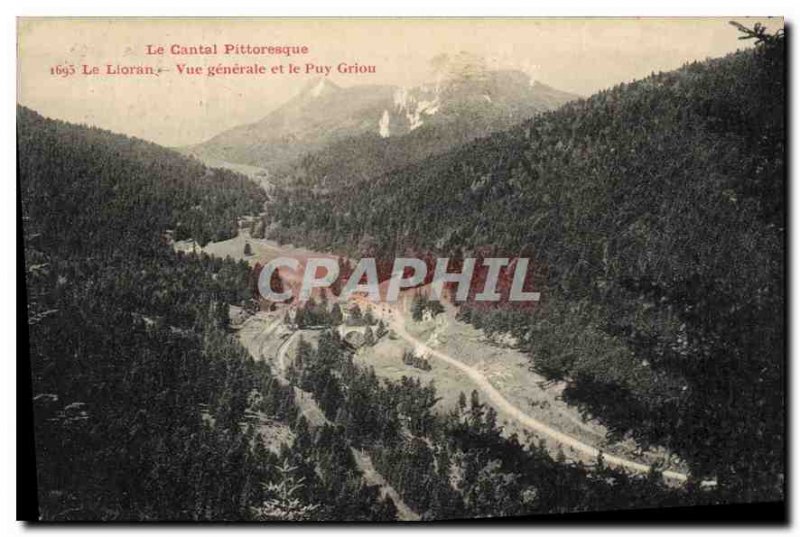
[(321, 113), (105, 179), (657, 208), (145, 408)]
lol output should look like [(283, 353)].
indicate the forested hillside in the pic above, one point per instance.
[(145, 406), (658, 209), (149, 188)]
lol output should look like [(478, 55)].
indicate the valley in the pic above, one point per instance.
[(645, 369), (462, 359)]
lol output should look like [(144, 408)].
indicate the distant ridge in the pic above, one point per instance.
[(323, 113)]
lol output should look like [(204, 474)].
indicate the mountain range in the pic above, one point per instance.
[(395, 125)]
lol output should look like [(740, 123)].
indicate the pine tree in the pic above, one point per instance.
[(282, 497), (369, 337), (336, 315), (381, 330), (417, 307), (462, 401)]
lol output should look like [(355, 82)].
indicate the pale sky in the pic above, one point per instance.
[(577, 55)]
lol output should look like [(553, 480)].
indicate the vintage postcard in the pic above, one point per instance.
[(402, 269)]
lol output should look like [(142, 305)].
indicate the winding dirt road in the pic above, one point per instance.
[(506, 406), (396, 321)]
